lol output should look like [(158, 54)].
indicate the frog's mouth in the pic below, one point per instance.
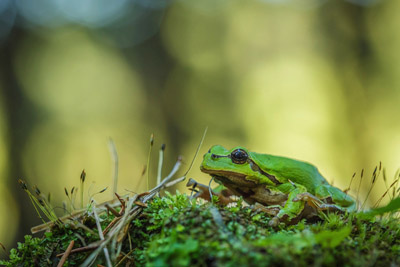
[(233, 178), (250, 190)]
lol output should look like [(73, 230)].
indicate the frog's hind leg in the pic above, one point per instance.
[(293, 208), (298, 200), (335, 198), (316, 203)]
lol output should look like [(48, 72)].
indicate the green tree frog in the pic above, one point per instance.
[(286, 186)]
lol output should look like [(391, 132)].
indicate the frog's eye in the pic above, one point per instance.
[(239, 156)]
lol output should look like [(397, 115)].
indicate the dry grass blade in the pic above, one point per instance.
[(197, 151), (114, 156), (160, 163), (148, 161), (73, 216), (106, 254), (112, 237), (131, 212)]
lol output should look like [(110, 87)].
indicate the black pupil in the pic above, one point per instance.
[(239, 156)]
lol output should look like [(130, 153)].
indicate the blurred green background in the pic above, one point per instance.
[(308, 79)]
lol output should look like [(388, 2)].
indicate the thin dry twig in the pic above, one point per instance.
[(112, 210), (205, 192), (125, 257), (132, 211), (116, 231), (81, 249), (74, 216), (66, 254), (176, 181)]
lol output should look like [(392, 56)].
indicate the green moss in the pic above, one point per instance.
[(174, 231), (201, 235), (43, 251)]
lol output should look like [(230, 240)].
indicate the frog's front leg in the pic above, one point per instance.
[(271, 210)]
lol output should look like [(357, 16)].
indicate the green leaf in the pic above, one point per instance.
[(393, 206)]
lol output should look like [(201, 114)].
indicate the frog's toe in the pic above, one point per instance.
[(270, 210), (310, 199), (330, 207), (304, 197), (274, 222)]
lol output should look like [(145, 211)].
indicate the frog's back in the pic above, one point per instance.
[(285, 169)]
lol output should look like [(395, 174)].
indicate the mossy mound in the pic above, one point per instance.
[(174, 231)]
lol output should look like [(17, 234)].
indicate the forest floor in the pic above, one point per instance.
[(175, 230)]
